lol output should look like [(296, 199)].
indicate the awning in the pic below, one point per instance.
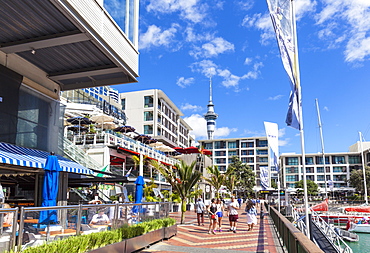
[(27, 157)]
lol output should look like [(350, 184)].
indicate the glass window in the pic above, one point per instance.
[(262, 152), (292, 170), (123, 103), (309, 160), (220, 160), (354, 159), (262, 143), (232, 144), (309, 170), (148, 101), (320, 169), (148, 116), (320, 178), (291, 178), (148, 129), (208, 145), (263, 159), (291, 160), (319, 160), (339, 169), (220, 144), (247, 152), (247, 145), (338, 160), (220, 153), (232, 153)]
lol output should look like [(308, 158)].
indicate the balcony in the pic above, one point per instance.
[(75, 44)]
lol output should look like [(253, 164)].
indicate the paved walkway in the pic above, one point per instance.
[(192, 238)]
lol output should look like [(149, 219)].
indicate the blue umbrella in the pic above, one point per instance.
[(139, 192), (50, 190)]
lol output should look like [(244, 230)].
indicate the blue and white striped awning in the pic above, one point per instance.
[(27, 157)]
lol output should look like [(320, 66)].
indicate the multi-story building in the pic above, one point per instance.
[(338, 167), (253, 151), (151, 112)]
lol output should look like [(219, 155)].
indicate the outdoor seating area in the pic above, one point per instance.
[(71, 221)]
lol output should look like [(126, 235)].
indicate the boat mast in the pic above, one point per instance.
[(363, 168), (322, 146)]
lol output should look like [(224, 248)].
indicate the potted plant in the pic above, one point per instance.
[(175, 198)]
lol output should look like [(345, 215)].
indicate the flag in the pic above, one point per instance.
[(272, 133), (264, 177), (105, 169), (128, 172), (281, 14)]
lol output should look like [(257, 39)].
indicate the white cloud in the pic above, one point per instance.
[(192, 10), (326, 108), (199, 126), (248, 61), (277, 97), (212, 48), (209, 68), (354, 33), (189, 107), (183, 82), (154, 36)]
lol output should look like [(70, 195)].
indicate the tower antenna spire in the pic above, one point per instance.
[(210, 116)]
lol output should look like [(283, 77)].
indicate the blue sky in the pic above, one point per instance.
[(184, 42)]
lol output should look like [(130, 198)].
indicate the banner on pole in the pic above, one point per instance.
[(272, 133), (281, 13), (264, 177)]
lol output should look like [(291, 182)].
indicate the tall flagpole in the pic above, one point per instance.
[(322, 145), (363, 168), (301, 131)]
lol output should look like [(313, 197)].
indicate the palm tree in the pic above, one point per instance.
[(216, 179), (182, 178)]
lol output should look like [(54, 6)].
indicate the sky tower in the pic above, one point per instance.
[(210, 116)]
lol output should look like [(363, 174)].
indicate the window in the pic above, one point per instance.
[(292, 170), (263, 160), (148, 101), (339, 169), (123, 103), (262, 152), (247, 152), (262, 143), (222, 168), (291, 160), (220, 160), (319, 160), (309, 160), (354, 159), (247, 160), (148, 129), (320, 178), (291, 178), (148, 116), (220, 144), (320, 169), (220, 153), (339, 178), (247, 145), (232, 144), (208, 145), (232, 153), (338, 160), (309, 170)]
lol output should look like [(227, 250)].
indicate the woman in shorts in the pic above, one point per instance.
[(219, 213)]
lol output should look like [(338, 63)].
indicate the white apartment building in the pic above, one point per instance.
[(152, 113), (254, 151)]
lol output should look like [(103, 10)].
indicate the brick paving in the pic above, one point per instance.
[(193, 238)]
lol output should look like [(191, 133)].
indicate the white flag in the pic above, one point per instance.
[(264, 177), (282, 19), (272, 133)]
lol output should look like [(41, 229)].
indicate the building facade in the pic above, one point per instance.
[(253, 151), (152, 113)]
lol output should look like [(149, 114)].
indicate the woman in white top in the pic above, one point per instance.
[(219, 213)]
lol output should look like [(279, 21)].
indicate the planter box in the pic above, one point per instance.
[(118, 247), (170, 231), (144, 241)]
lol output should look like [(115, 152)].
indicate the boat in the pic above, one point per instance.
[(359, 228), (346, 235)]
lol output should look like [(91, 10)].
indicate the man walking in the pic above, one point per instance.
[(233, 208), (200, 207)]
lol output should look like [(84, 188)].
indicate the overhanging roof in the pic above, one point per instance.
[(76, 43)]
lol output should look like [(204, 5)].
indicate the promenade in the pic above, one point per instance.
[(193, 238)]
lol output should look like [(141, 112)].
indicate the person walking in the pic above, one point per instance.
[(233, 208), (200, 208), (219, 213), (212, 209), (251, 211)]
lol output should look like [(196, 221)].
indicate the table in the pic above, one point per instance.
[(67, 231), (33, 221), (6, 225)]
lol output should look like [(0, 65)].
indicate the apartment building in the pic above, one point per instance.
[(152, 113), (253, 151)]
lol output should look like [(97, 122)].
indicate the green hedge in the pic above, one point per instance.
[(84, 243)]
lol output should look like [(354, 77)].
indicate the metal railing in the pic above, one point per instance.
[(8, 234), (74, 220), (293, 239)]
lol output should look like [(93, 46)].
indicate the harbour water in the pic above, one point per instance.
[(362, 246)]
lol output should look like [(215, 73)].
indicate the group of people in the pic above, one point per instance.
[(215, 213)]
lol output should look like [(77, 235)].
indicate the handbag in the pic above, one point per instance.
[(213, 216)]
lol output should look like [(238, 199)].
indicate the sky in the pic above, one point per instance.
[(184, 43)]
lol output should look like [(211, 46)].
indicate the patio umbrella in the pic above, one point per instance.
[(138, 192), (79, 121), (50, 189), (77, 128), (107, 125), (102, 118), (149, 141), (124, 129), (142, 138)]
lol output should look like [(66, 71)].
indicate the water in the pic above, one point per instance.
[(362, 246)]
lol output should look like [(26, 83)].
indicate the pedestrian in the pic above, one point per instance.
[(233, 208), (200, 208), (240, 201), (219, 214), (212, 208), (251, 211)]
